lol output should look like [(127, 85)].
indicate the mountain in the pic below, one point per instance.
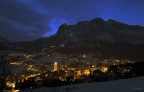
[(3, 43), (104, 39), (98, 29)]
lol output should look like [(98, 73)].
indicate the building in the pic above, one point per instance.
[(55, 67)]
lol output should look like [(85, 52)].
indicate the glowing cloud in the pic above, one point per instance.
[(53, 25)]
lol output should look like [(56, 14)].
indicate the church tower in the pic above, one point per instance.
[(55, 66)]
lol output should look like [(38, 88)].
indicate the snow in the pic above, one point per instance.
[(46, 59), (17, 69), (124, 85), (43, 60)]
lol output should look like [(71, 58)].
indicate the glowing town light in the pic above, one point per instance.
[(13, 86), (55, 66), (104, 69), (55, 63), (84, 55)]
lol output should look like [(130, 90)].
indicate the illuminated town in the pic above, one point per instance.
[(71, 45), (48, 69)]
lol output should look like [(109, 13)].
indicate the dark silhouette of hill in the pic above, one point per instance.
[(103, 38)]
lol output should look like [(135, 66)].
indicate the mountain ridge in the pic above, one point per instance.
[(4, 41), (103, 38), (110, 30)]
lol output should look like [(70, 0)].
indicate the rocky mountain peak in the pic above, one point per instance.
[(98, 29)]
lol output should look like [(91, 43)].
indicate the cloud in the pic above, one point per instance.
[(31, 19), (21, 20)]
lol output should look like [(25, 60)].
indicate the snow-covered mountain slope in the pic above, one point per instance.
[(124, 85)]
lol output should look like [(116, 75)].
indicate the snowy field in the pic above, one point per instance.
[(124, 85)]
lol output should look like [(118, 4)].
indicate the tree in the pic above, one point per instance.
[(4, 72)]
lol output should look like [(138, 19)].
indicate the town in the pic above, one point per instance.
[(28, 71)]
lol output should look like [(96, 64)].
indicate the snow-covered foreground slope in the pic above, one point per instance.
[(124, 85)]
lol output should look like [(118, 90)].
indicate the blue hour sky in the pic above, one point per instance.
[(22, 20)]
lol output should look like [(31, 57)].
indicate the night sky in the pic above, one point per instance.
[(31, 19)]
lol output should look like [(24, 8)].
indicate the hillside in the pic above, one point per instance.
[(3, 43), (124, 85), (105, 39)]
